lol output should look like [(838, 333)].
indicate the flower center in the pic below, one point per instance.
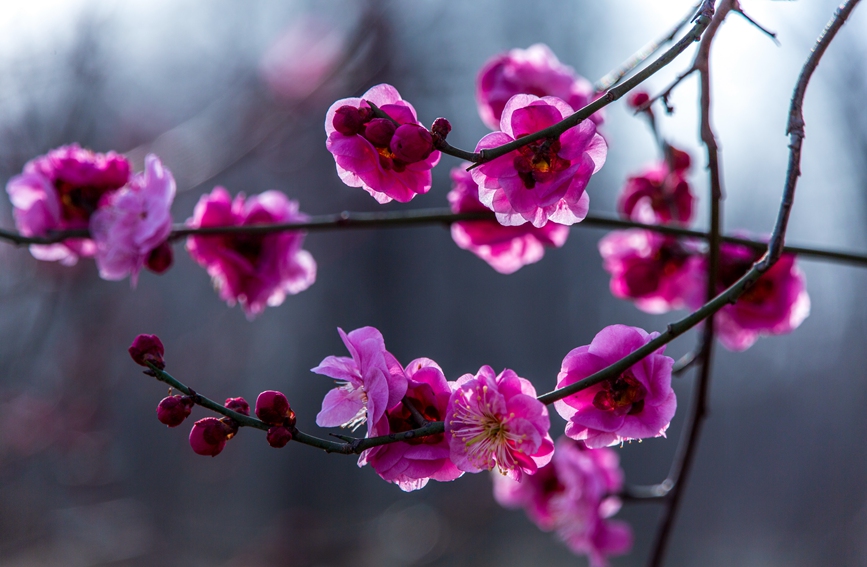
[(621, 392), (538, 161), (423, 400), (247, 245), (487, 435), (78, 202)]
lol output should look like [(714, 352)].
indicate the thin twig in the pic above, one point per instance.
[(761, 28)]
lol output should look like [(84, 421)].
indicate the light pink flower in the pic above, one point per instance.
[(544, 180), (496, 421), (635, 405), (775, 305), (536, 71), (659, 273), (133, 222), (573, 495), (505, 248), (60, 191), (411, 464), (660, 194), (388, 161), (253, 269), (368, 383)]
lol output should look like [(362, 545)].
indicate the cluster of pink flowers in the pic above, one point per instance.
[(574, 495), (659, 272)]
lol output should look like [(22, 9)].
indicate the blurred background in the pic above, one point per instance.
[(234, 94)]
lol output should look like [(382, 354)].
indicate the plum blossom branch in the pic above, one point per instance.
[(640, 56)]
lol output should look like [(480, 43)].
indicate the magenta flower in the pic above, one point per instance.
[(133, 222), (572, 495), (60, 191), (505, 248), (659, 273), (368, 383), (658, 195), (390, 159), (253, 269), (545, 179), (536, 71), (775, 305), (635, 405), (496, 421), (411, 464)]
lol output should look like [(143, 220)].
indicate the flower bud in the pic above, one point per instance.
[(239, 405), (272, 407), (411, 143), (637, 98), (208, 436), (160, 259), (278, 436), (441, 128), (348, 120), (678, 160), (379, 132), (173, 410), (148, 348)]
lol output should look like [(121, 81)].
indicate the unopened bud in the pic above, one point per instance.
[(272, 407), (173, 410), (160, 259), (148, 348), (379, 132), (637, 99), (441, 128), (411, 143), (348, 120), (278, 436), (239, 405), (208, 436)]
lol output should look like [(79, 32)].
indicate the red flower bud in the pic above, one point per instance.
[(441, 128), (148, 348), (278, 436), (273, 408), (679, 160), (208, 436), (379, 132), (411, 143), (160, 259), (348, 120), (173, 410), (239, 405), (637, 98)]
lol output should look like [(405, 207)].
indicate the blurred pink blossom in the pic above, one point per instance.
[(496, 421), (536, 71), (60, 191), (253, 269), (133, 222), (574, 495), (658, 272), (505, 248), (368, 383), (637, 404), (659, 194), (411, 464), (544, 180), (388, 161)]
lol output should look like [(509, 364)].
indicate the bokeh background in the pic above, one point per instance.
[(234, 94)]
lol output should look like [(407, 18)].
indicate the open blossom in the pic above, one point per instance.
[(536, 71), (659, 194), (637, 404), (775, 305), (544, 180), (411, 464), (253, 269), (133, 222), (390, 159), (368, 383), (505, 248), (658, 272), (496, 421), (60, 191), (572, 495)]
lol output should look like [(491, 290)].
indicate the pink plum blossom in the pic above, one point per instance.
[(660, 194), (368, 383), (536, 71), (411, 464), (60, 191), (496, 421), (133, 222), (775, 305), (253, 269), (658, 272), (388, 158), (572, 495), (544, 180), (505, 248), (637, 404)]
